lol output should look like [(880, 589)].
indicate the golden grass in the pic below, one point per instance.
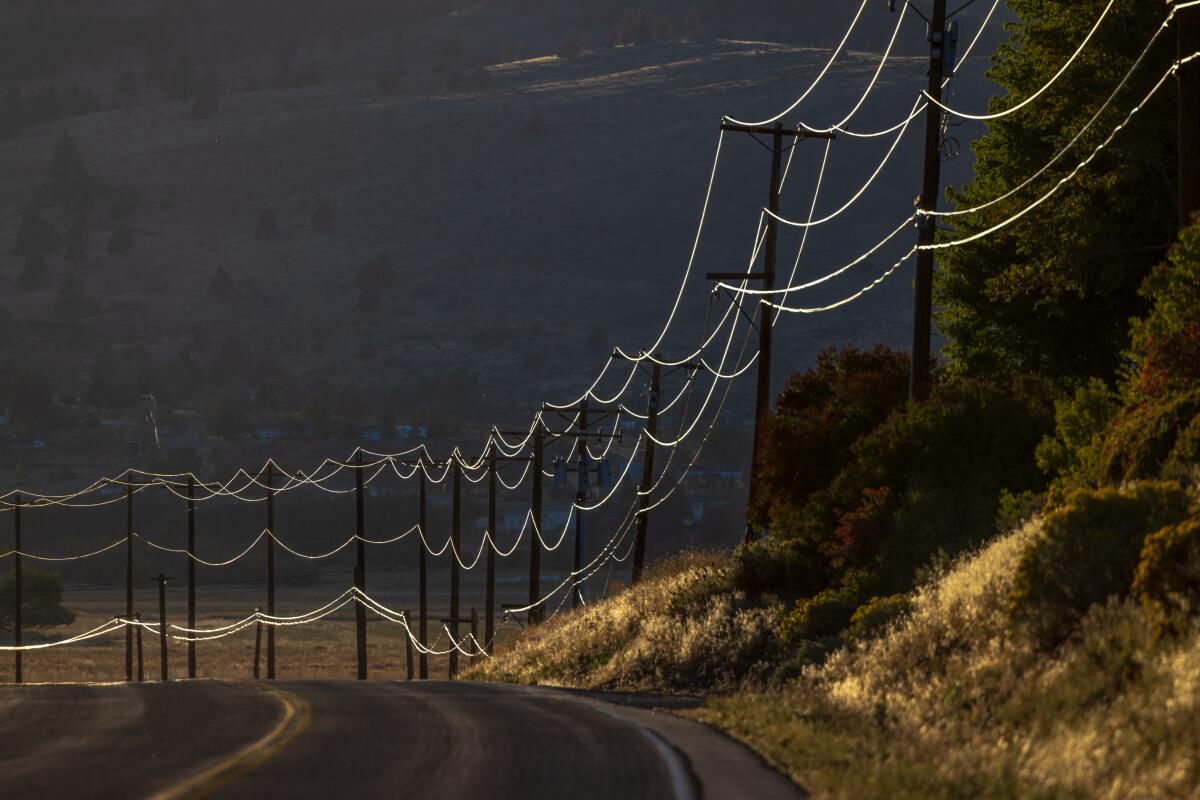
[(682, 629), (324, 649), (947, 704)]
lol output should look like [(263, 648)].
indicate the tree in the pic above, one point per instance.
[(1053, 292), (181, 82), (207, 94), (70, 181), (692, 27), (572, 47), (126, 87), (71, 303), (41, 600), (35, 237), (77, 239), (221, 285), (6, 326)]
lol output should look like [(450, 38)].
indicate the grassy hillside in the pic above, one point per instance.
[(952, 699)]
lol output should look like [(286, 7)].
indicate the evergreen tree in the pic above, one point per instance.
[(207, 94), (70, 182), (1053, 293), (70, 304), (221, 285), (121, 241), (77, 239)]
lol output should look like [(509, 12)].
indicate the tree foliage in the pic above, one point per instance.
[(1052, 293), (41, 600)]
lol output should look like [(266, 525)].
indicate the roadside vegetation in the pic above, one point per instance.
[(993, 593)]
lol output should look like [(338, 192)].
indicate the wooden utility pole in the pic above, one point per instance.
[(162, 626), (1187, 24), (268, 478), (17, 673), (643, 516), (489, 596), (360, 568), (141, 671), (129, 578), (191, 569), (408, 649), (258, 626), (535, 545), (919, 382), (422, 577), (581, 492), (474, 631), (762, 398), (455, 546)]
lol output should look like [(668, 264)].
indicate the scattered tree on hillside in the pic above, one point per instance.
[(121, 241), (266, 227), (207, 94), (70, 304), (35, 237), (221, 286), (180, 85), (693, 29), (572, 47), (324, 217), (41, 600), (6, 326), (70, 182), (639, 25), (76, 251), (126, 88)]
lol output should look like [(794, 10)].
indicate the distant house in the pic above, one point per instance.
[(699, 506)]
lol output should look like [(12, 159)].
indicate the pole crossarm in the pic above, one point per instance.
[(733, 127)]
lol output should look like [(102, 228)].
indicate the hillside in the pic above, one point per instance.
[(530, 210)]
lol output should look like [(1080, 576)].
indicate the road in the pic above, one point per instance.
[(426, 739)]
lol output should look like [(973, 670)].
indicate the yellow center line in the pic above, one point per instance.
[(297, 714)]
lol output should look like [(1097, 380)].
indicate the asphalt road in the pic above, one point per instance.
[(430, 739)]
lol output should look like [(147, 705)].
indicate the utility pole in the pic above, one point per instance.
[(919, 382), (1187, 24), (17, 675), (360, 568), (455, 546), (581, 492), (535, 545), (422, 576), (643, 516), (191, 568), (270, 570), (762, 401), (162, 626), (489, 599), (129, 577)]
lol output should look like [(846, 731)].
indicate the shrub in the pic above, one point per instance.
[(830, 611), (1085, 553), (221, 285), (1168, 574), (1072, 454), (1151, 435), (781, 566), (876, 615)]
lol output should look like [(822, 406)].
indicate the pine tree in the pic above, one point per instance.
[(70, 182)]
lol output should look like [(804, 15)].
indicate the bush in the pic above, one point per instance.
[(876, 615), (221, 285), (775, 565), (324, 218), (829, 612), (1168, 574), (1072, 454), (1151, 435), (1085, 553)]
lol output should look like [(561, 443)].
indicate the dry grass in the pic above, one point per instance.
[(947, 704), (683, 629), (324, 649)]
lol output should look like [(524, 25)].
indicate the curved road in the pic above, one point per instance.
[(363, 740)]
